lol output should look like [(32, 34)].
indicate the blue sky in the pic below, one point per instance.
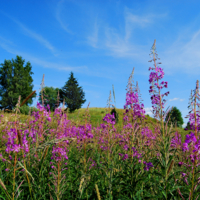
[(101, 41)]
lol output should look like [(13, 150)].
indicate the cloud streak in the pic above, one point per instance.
[(58, 17), (32, 34)]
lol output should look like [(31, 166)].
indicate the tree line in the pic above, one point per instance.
[(16, 80)]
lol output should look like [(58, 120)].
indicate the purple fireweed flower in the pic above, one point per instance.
[(104, 148), (125, 147), (132, 98), (92, 165), (125, 157), (44, 111), (64, 169), (148, 133), (191, 138), (197, 147), (155, 77), (176, 141), (109, 118), (180, 164), (60, 151), (185, 147), (129, 125), (148, 166)]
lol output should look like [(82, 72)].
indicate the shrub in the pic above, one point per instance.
[(188, 127), (115, 114), (25, 109)]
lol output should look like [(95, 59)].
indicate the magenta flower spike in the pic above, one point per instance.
[(192, 139), (132, 100), (154, 76)]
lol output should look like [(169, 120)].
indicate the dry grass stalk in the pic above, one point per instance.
[(81, 185), (27, 98), (26, 170), (171, 167), (97, 190), (2, 184), (19, 137)]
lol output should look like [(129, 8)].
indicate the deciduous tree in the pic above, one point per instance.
[(50, 97), (15, 80), (175, 117)]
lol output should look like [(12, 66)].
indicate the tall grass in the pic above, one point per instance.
[(85, 155)]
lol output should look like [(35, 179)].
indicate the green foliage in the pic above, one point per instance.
[(51, 98), (73, 95), (188, 126), (15, 80), (25, 109), (175, 117), (115, 114)]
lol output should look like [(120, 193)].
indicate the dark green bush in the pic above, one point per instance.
[(25, 109), (115, 114)]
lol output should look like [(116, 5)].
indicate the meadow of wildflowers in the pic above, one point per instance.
[(50, 158)]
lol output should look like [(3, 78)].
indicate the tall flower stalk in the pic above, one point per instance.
[(194, 124), (167, 160)]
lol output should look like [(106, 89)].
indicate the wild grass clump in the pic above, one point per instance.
[(58, 155)]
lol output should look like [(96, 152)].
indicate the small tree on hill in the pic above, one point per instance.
[(175, 117), (73, 95), (188, 126), (15, 80), (51, 97)]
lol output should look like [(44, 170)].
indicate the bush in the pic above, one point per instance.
[(25, 109), (115, 114), (188, 127)]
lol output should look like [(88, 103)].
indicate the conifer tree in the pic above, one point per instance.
[(15, 80), (73, 95)]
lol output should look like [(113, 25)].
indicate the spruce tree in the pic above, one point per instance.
[(175, 117), (15, 80), (73, 95)]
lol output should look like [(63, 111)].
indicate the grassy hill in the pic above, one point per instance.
[(96, 118)]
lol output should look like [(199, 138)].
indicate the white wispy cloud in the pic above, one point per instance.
[(148, 111), (118, 45), (32, 34), (60, 67), (93, 39), (60, 19), (6, 41), (183, 56), (176, 99), (42, 63), (132, 21)]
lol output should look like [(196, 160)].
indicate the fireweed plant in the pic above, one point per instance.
[(50, 158)]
